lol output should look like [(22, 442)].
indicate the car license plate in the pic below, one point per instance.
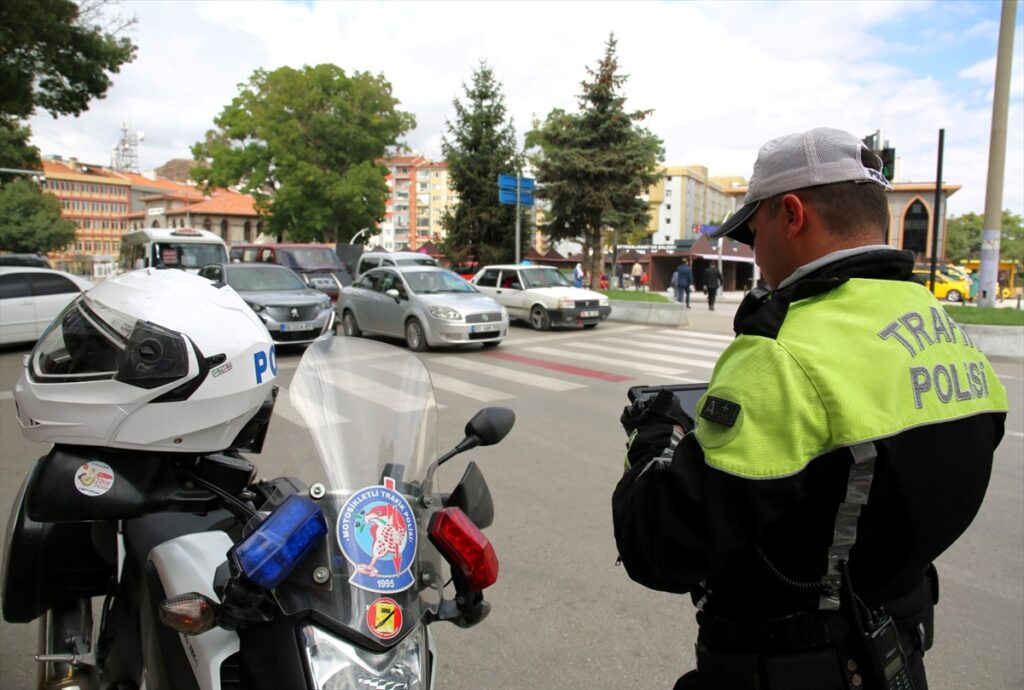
[(586, 314), (296, 326), (485, 328)]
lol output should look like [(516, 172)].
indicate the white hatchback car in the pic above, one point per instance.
[(542, 296), (31, 298)]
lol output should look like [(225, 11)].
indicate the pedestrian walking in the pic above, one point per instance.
[(845, 441), (636, 272), (712, 281), (577, 275), (620, 272), (682, 281)]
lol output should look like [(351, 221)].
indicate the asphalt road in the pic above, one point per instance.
[(564, 616)]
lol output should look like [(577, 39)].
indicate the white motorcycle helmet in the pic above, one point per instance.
[(156, 359)]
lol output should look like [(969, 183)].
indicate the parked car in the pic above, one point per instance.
[(36, 260), (31, 298), (429, 306), (374, 259), (946, 287), (542, 296), (318, 265), (293, 312)]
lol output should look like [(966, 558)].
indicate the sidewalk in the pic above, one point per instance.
[(703, 319)]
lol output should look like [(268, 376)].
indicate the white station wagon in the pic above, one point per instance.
[(542, 296)]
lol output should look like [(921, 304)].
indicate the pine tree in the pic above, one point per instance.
[(594, 165), (480, 144)]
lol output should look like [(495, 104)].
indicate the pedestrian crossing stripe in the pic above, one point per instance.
[(674, 347), (638, 354), (615, 362), (516, 375), (466, 389)]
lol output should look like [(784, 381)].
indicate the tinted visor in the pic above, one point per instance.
[(91, 342)]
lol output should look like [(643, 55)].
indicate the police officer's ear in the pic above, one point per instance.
[(795, 214)]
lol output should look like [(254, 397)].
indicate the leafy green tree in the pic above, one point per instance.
[(305, 143), (56, 55), (593, 166), (963, 237), (480, 145), (30, 220)]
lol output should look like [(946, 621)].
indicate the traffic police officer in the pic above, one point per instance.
[(845, 441)]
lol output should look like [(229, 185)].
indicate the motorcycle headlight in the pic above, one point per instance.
[(445, 313), (338, 665)]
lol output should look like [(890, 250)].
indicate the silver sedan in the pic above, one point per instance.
[(426, 305)]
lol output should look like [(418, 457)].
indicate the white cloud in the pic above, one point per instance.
[(722, 78)]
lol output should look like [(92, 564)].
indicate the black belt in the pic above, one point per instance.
[(911, 611)]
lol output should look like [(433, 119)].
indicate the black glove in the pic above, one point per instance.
[(649, 423), (661, 408)]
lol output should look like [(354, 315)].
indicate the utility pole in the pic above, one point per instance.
[(992, 229)]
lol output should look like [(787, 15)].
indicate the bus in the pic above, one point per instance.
[(186, 248)]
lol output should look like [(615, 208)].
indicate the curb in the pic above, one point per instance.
[(997, 341), (652, 313)]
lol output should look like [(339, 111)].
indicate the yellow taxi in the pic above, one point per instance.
[(949, 288)]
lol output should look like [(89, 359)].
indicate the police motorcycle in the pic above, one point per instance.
[(210, 577)]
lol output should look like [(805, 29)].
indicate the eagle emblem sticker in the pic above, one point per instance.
[(377, 533)]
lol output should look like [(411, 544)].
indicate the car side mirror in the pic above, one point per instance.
[(393, 294)]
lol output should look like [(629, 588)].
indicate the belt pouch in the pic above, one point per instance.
[(813, 669)]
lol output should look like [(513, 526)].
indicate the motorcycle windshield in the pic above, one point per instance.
[(364, 427)]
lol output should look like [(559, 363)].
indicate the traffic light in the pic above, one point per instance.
[(888, 157)]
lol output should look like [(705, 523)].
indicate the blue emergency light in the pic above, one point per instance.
[(270, 554)]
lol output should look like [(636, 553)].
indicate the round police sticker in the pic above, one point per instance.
[(94, 478), (377, 533)]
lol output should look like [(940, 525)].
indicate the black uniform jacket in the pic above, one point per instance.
[(684, 527)]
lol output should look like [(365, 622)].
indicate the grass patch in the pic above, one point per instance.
[(634, 296), (987, 316)]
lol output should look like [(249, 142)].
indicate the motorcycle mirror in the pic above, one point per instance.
[(487, 427), (490, 425)]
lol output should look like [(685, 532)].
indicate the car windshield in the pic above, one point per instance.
[(543, 277), (434, 282), (188, 254), (253, 278), (312, 258), (425, 261)]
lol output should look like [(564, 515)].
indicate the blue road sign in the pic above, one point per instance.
[(509, 182), (508, 196)]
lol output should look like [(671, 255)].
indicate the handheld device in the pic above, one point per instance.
[(688, 394)]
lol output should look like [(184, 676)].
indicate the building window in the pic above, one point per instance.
[(207, 225), (915, 229), (248, 232), (224, 230), (668, 207), (668, 220)]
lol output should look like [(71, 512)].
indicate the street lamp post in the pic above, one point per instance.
[(356, 236)]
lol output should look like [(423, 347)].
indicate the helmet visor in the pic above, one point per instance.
[(89, 341)]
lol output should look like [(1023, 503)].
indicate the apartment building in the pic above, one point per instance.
[(96, 199), (683, 199), (400, 206), (434, 197)]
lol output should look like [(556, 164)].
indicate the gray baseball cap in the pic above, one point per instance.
[(797, 161)]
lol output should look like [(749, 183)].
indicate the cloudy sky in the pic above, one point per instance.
[(721, 77)]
